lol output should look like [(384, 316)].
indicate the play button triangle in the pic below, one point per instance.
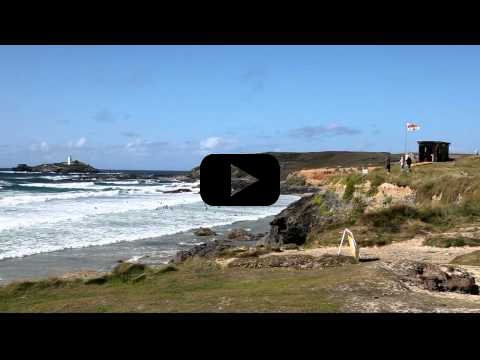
[(233, 192)]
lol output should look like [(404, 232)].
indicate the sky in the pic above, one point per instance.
[(167, 107)]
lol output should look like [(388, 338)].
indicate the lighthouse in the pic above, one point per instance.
[(69, 160)]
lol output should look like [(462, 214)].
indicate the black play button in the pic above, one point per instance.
[(260, 188)]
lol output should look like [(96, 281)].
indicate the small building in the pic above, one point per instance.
[(433, 151)]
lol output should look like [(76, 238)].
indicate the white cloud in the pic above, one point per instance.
[(136, 144), (211, 143), (42, 146), (77, 144), (80, 142), (140, 146)]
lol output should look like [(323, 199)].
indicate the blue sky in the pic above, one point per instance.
[(167, 107)]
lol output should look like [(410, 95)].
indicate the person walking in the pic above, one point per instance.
[(387, 163), (409, 163)]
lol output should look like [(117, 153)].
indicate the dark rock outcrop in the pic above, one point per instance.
[(294, 223), (204, 232), (62, 168), (23, 167), (435, 277), (293, 261), (210, 250)]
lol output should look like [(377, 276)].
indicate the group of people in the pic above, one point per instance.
[(405, 163)]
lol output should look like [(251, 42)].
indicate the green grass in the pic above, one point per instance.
[(202, 286), (472, 259), (196, 286)]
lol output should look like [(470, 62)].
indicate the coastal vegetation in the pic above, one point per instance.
[(281, 272), (437, 198)]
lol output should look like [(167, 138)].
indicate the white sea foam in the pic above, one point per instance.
[(193, 243), (27, 199), (91, 222), (72, 185)]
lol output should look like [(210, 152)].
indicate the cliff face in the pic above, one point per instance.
[(62, 168), (294, 223)]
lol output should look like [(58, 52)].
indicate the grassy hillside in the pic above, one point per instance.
[(451, 182), (446, 198), (292, 161)]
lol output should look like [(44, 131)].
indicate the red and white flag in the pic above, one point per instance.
[(412, 127)]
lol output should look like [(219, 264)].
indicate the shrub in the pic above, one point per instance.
[(375, 181), (391, 218), (295, 180), (446, 242), (350, 182), (359, 206), (322, 207)]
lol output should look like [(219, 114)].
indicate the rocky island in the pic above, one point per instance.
[(68, 166)]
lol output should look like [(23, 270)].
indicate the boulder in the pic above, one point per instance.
[(210, 250), (239, 234), (204, 232), (435, 277), (129, 271)]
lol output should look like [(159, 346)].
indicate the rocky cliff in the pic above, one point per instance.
[(293, 224)]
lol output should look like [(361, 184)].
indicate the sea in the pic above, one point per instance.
[(42, 214)]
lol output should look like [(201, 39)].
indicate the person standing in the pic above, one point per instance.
[(387, 163), (402, 162), (409, 163)]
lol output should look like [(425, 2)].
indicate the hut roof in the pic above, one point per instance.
[(433, 142)]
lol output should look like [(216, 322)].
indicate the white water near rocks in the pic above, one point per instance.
[(46, 213)]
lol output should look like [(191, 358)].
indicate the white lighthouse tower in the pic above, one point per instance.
[(69, 160)]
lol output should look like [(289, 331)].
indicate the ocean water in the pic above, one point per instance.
[(43, 213)]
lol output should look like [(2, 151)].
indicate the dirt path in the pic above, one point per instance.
[(415, 251), (405, 250)]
